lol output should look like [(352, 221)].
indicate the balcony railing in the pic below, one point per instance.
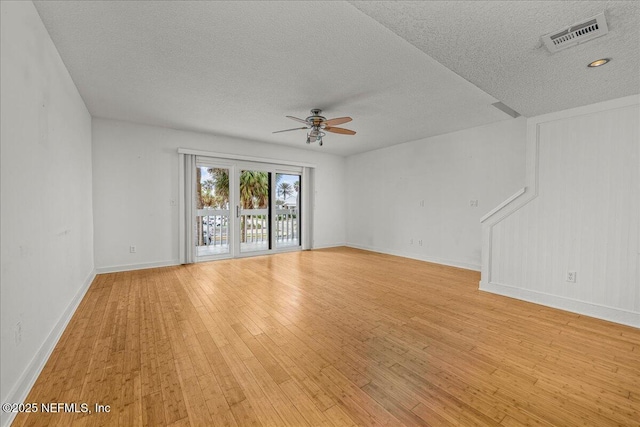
[(254, 225), (213, 226), (287, 229)]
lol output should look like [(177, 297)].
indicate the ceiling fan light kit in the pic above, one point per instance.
[(317, 124)]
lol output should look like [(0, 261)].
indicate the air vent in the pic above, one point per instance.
[(576, 34)]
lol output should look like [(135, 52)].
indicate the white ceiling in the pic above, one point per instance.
[(237, 68), (496, 46)]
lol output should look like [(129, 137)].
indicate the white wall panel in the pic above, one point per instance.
[(582, 215), (47, 229), (136, 176), (386, 188)]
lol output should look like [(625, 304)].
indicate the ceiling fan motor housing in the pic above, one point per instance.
[(316, 119)]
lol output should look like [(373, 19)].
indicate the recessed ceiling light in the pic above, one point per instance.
[(598, 62)]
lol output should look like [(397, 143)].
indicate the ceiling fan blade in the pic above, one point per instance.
[(297, 119), (339, 130), (338, 121), (287, 130)]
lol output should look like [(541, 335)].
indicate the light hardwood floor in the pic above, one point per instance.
[(333, 337)]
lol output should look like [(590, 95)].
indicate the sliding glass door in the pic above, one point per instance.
[(287, 210), (245, 209), (254, 208), (213, 216)]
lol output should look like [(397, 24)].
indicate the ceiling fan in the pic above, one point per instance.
[(316, 125)]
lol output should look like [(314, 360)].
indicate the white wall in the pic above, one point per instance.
[(581, 214), (386, 188), (135, 176), (46, 221)]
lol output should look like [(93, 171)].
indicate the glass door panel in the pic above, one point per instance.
[(287, 210), (213, 225), (254, 211), (244, 208)]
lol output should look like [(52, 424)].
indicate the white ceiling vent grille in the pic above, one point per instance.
[(576, 34)]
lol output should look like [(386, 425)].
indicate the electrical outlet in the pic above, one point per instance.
[(571, 276), (473, 203), (132, 249), (419, 242)]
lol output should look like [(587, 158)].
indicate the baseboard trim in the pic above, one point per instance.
[(28, 378), (144, 266), (332, 245), (450, 263), (616, 315), (130, 267)]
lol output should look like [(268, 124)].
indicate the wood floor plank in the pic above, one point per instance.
[(153, 410), (287, 411), (228, 383), (217, 404), (376, 412), (275, 370), (286, 359), (393, 406), (332, 337), (338, 417), (244, 414), (197, 410), (303, 403), (251, 389), (172, 393)]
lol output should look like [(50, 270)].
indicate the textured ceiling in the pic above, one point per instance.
[(496, 46), (237, 68)]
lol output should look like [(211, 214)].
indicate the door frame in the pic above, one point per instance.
[(260, 167), (272, 169), (236, 166), (223, 164)]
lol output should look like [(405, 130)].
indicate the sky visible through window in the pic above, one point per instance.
[(291, 180)]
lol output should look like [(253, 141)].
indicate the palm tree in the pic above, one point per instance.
[(206, 194), (221, 185), (254, 194), (285, 190), (254, 189)]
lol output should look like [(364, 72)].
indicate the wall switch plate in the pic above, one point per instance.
[(132, 249), (420, 242), (571, 276)]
